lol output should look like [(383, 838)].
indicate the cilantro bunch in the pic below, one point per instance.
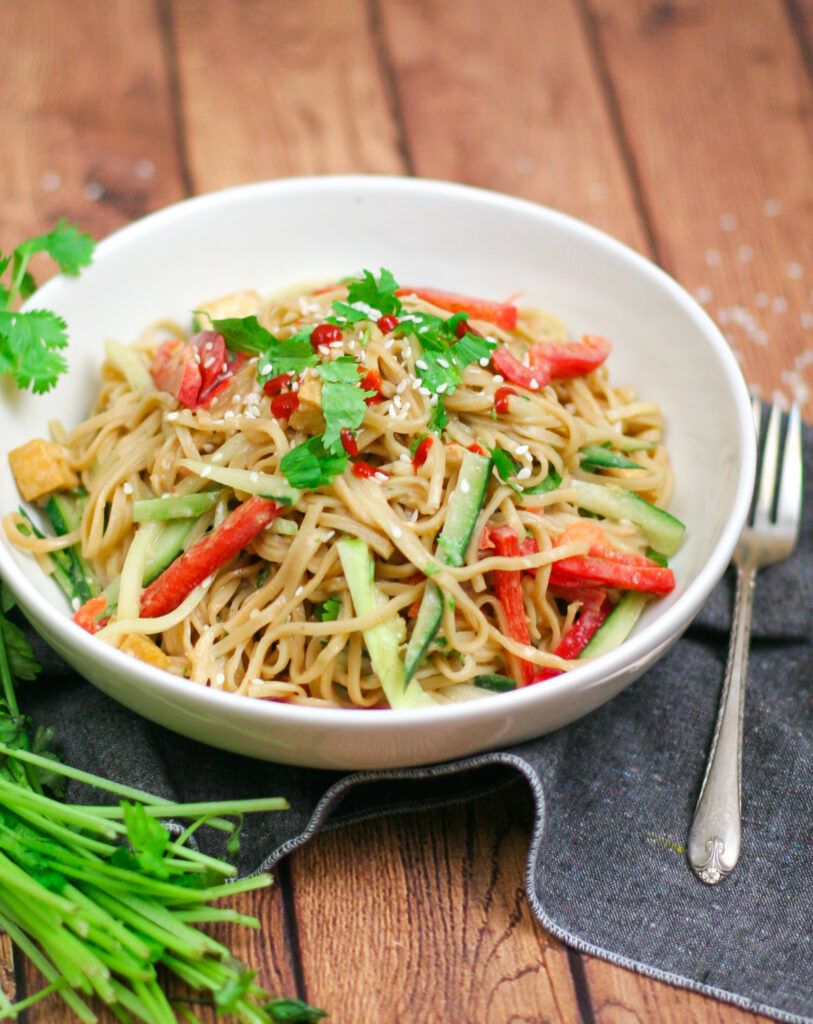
[(31, 342), (97, 896)]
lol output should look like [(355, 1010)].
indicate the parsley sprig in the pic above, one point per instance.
[(31, 342)]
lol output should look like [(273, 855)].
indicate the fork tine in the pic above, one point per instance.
[(790, 487), (756, 412), (770, 466)]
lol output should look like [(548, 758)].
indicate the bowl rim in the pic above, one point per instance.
[(656, 635)]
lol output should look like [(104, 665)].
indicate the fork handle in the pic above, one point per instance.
[(714, 838)]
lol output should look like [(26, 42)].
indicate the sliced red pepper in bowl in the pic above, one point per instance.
[(579, 635), (503, 314), (508, 588)]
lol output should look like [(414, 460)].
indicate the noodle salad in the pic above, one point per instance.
[(360, 495)]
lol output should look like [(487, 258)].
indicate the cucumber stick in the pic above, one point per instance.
[(663, 531), (265, 485), (382, 640), (464, 507), (180, 506), (617, 626), (64, 511)]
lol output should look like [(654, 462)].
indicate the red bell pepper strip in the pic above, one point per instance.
[(548, 360), (509, 590), (88, 616), (578, 636), (211, 552), (500, 313), (194, 371), (570, 358), (617, 571)]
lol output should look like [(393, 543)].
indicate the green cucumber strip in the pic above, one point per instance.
[(596, 456), (464, 507), (65, 514), (425, 629), (129, 363), (465, 503), (167, 547), (495, 683), (618, 624), (265, 485), (60, 573), (383, 640), (180, 506), (663, 531)]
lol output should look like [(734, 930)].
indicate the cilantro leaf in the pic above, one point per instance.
[(291, 355), (329, 610), (235, 986), (344, 370), (29, 344), (21, 660), (503, 463), (245, 334), (345, 314), (438, 418), (70, 248), (438, 372), (309, 465), (472, 348), (148, 838), (293, 1011), (550, 483), (344, 408), (378, 294)]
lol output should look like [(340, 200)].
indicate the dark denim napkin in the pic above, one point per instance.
[(607, 871)]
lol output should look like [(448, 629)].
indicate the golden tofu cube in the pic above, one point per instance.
[(237, 306), (40, 467), (308, 415), (139, 646)]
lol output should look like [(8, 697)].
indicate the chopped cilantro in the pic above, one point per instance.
[(344, 370), (438, 372), (344, 408), (471, 349), (379, 294), (550, 483), (329, 610), (345, 314), (414, 446), (309, 465), (244, 334), (438, 418)]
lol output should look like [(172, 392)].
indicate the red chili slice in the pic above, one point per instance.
[(274, 385), (323, 334), (422, 452), (478, 449), (387, 323), (531, 377), (501, 396), (285, 405), (211, 552), (194, 371), (364, 470), (372, 382), (349, 442)]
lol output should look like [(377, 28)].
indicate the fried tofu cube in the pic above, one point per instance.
[(237, 306), (308, 414), (40, 467), (139, 646)]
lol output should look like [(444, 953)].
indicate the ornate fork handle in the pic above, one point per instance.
[(714, 839)]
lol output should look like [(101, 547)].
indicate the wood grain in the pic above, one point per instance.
[(92, 138), (505, 95), (720, 143), (271, 90), (427, 915)]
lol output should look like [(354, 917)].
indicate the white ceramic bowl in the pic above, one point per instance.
[(273, 234)]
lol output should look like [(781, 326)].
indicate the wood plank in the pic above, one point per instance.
[(504, 95), (8, 981), (721, 146), (428, 914), (271, 90), (87, 139), (619, 997)]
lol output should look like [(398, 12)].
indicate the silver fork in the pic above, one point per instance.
[(714, 839)]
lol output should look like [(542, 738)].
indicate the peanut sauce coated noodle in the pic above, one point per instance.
[(279, 620)]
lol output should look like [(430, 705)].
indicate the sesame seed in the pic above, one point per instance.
[(444, 363), (295, 386), (254, 477), (220, 678), (485, 361), (404, 457), (324, 350), (433, 400), (75, 603), (298, 591), (217, 457), (521, 449), (173, 415), (524, 473), (421, 364), (381, 477), (441, 388), (397, 532), (424, 391), (533, 384), (498, 378), (401, 388), (266, 368), (389, 343), (208, 581), (127, 488), (336, 344), (228, 414), (206, 471), (465, 487), (397, 401)]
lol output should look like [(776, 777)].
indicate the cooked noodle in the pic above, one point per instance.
[(254, 627)]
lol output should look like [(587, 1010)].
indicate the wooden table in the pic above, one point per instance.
[(682, 128)]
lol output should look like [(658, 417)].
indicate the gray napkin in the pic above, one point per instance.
[(614, 796)]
